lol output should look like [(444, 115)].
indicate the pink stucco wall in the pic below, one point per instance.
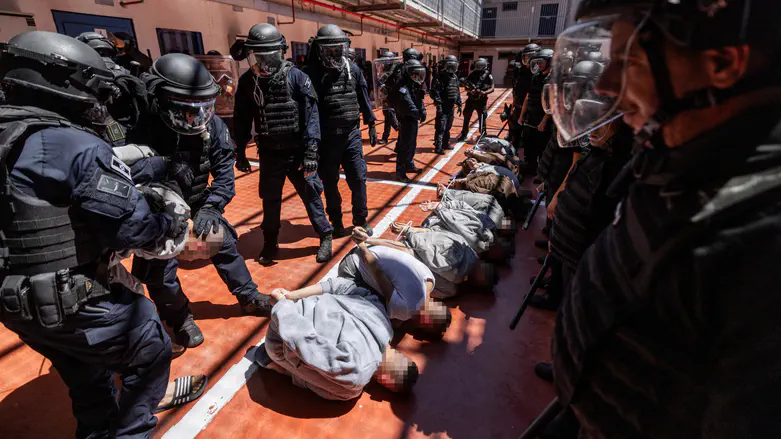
[(217, 22)]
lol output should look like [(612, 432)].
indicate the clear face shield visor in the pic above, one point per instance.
[(527, 58), (266, 63), (451, 67), (538, 65), (480, 66), (574, 100), (418, 75), (333, 56), (188, 118)]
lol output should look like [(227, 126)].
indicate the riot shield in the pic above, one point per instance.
[(381, 70), (226, 72)]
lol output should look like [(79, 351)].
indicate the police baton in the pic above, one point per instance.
[(532, 290), (542, 420), (533, 210), (503, 127)]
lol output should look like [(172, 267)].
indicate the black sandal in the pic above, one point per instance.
[(183, 387)]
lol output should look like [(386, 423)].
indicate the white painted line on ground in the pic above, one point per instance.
[(377, 180), (207, 407)]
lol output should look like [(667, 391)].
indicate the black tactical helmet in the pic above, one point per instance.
[(530, 48), (587, 70), (185, 94), (264, 37), (480, 64), (351, 54), (597, 57), (415, 71), (185, 77), (699, 24), (101, 44), (388, 54), (525, 55), (411, 53), (57, 65), (450, 64), (330, 46)]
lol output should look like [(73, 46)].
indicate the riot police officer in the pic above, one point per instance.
[(446, 94), (479, 83), (195, 142), (385, 85), (390, 83), (67, 204), (409, 106), (281, 102), (537, 127), (522, 78), (343, 97), (127, 105), (670, 325)]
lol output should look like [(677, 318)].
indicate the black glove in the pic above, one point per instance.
[(372, 134), (153, 199), (423, 115), (207, 220), (310, 159), (242, 164), (181, 173), (178, 226), (459, 110), (438, 106)]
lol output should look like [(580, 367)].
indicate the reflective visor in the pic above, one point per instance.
[(573, 99), (538, 65), (188, 118), (418, 75), (267, 63), (333, 55), (451, 67)]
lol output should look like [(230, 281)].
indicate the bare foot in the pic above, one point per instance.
[(197, 382)]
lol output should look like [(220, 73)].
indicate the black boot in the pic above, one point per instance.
[(541, 244), (260, 305), (544, 371), (324, 252), (546, 301), (270, 249), (382, 141), (368, 228), (439, 150), (188, 334), (402, 178), (339, 230), (461, 137)]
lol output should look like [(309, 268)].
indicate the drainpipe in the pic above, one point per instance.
[(125, 4), (292, 8)]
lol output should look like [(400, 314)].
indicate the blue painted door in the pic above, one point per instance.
[(73, 24)]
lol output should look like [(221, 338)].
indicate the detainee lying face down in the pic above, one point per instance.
[(396, 372)]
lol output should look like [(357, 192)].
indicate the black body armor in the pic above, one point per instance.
[(50, 261), (338, 105), (450, 90), (277, 122)]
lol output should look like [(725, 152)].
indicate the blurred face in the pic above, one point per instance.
[(393, 369), (266, 63), (188, 117)]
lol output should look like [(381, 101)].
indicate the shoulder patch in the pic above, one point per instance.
[(120, 166), (114, 186)]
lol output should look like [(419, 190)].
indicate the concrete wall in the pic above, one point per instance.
[(218, 23)]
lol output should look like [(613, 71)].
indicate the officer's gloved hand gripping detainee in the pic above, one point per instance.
[(161, 198)]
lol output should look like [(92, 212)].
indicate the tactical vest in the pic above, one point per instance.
[(450, 90), (555, 163), (579, 219), (521, 84), (535, 91), (338, 101), (277, 121), (42, 246), (631, 336), (114, 68), (194, 150), (480, 81)]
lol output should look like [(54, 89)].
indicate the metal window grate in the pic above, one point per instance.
[(509, 6)]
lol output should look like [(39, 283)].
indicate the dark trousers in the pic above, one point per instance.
[(471, 106), (275, 167), (390, 122), (161, 280), (345, 151), (120, 333), (444, 122), (406, 145), (534, 143)]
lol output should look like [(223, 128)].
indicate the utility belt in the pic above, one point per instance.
[(331, 131), (50, 297), (284, 142)]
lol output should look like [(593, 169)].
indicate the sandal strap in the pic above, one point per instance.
[(182, 387)]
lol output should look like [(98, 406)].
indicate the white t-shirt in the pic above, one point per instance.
[(408, 277)]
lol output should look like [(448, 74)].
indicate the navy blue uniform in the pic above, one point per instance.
[(116, 333), (483, 81), (282, 156), (342, 146), (410, 109), (445, 107), (160, 275)]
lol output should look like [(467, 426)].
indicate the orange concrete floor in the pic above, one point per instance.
[(477, 383)]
